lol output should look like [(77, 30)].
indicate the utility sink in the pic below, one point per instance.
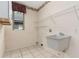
[(58, 41), (58, 36)]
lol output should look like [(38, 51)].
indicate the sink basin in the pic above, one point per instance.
[(58, 36), (58, 41)]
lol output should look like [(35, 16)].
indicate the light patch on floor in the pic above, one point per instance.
[(34, 52)]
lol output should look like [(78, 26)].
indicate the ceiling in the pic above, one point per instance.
[(33, 4)]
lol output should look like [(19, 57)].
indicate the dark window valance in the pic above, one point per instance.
[(18, 7)]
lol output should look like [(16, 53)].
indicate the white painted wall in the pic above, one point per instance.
[(48, 19), (18, 39), (22, 38), (2, 41), (54, 7), (3, 14), (3, 9), (60, 17)]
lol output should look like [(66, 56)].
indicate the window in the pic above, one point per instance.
[(18, 20), (18, 16)]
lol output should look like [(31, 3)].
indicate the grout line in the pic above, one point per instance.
[(34, 55), (30, 52), (21, 53), (41, 52), (51, 53), (37, 49)]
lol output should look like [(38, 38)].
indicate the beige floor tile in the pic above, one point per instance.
[(33, 52), (28, 56), (12, 54)]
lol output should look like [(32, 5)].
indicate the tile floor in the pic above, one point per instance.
[(34, 52)]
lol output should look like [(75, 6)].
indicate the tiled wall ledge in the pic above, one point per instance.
[(4, 21)]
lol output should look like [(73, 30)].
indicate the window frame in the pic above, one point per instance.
[(14, 21)]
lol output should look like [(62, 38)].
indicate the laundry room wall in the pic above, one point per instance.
[(3, 14), (22, 38), (60, 16)]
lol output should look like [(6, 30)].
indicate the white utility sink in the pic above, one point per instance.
[(58, 41), (58, 36)]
